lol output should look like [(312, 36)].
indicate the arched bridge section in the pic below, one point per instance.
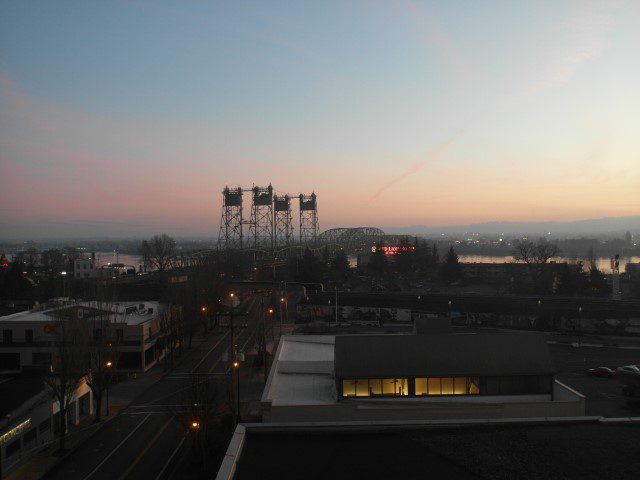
[(352, 239)]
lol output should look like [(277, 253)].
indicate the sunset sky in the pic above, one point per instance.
[(128, 118)]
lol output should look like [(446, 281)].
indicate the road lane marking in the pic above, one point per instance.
[(207, 354), (170, 458), (146, 449), (119, 445)]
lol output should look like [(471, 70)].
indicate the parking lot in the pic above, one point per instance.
[(603, 395)]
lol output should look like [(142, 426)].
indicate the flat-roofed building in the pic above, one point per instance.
[(415, 377), (442, 365), (26, 338), (30, 417)]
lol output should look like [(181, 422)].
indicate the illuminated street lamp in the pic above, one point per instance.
[(236, 366), (195, 425), (270, 311), (282, 302), (64, 283), (108, 364)]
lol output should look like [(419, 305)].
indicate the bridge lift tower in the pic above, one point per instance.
[(230, 235), (282, 220), (308, 218), (261, 221)]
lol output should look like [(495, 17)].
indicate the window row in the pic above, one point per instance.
[(447, 386), (375, 386), (512, 385)]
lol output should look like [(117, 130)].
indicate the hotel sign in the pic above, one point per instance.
[(393, 249)]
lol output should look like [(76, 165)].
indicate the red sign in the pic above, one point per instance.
[(51, 329), (394, 249)]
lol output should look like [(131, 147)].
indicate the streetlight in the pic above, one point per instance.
[(108, 365), (236, 366), (64, 282), (282, 304)]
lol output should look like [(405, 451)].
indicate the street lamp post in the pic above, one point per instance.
[(264, 350), (282, 302), (108, 365), (336, 289), (236, 366), (195, 427), (64, 283)]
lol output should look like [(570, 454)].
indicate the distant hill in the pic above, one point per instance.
[(598, 226)]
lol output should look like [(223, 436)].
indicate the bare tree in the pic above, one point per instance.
[(69, 362), (198, 414), (536, 256), (158, 252), (103, 351), (172, 332)]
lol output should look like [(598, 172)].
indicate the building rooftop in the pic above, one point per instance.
[(477, 354), (131, 313), (570, 451), (303, 372)]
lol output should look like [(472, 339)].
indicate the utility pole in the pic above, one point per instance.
[(286, 301), (280, 308), (336, 306), (234, 357)]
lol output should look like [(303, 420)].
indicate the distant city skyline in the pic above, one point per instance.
[(130, 117)]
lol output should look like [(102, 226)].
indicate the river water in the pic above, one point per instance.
[(603, 264)]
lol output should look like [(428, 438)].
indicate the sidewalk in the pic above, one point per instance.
[(121, 395)]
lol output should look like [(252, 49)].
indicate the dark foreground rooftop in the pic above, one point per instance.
[(574, 451)]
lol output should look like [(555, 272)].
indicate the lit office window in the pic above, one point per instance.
[(395, 386), (447, 385), (422, 386), (402, 386), (434, 386), (348, 388), (375, 386), (388, 387), (362, 388), (460, 385)]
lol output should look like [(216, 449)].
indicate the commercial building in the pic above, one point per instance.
[(135, 328), (85, 268), (30, 417), (415, 377)]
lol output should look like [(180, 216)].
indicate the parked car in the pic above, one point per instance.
[(629, 375), (601, 372)]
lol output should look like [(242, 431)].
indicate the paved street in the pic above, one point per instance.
[(145, 440)]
